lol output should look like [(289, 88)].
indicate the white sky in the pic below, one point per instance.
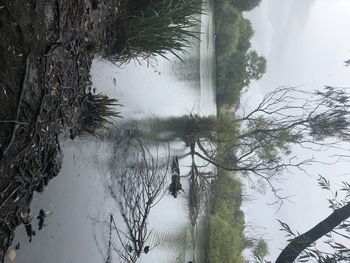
[(305, 42)]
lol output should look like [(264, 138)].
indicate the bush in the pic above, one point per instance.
[(225, 242), (226, 221)]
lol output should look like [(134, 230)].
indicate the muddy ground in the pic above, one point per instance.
[(46, 49)]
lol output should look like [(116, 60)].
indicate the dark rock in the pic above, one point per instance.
[(41, 218), (17, 246), (146, 249)]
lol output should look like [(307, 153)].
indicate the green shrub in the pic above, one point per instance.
[(226, 221), (225, 241)]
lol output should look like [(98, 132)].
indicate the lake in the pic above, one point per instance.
[(78, 202)]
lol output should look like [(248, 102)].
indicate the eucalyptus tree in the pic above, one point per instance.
[(334, 230), (256, 66), (246, 5), (259, 141)]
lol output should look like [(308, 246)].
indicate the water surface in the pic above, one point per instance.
[(77, 201)]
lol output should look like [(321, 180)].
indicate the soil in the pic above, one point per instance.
[(46, 49)]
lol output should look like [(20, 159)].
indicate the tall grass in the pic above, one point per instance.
[(155, 27), (99, 111)]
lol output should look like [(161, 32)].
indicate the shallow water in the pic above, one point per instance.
[(77, 201)]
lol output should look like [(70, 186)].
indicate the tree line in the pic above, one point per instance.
[(236, 63)]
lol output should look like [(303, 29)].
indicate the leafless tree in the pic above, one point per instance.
[(138, 184)]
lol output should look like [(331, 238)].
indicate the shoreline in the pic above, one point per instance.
[(45, 84)]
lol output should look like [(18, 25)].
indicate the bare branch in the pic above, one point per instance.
[(138, 184)]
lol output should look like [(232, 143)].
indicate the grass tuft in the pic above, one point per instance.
[(99, 112), (154, 28)]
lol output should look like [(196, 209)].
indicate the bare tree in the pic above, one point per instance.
[(137, 186)]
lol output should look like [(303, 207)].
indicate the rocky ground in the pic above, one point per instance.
[(46, 49)]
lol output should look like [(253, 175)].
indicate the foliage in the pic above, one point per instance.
[(220, 129), (149, 28), (258, 143), (226, 221), (316, 116), (335, 230), (227, 32), (260, 250), (332, 122), (98, 112), (236, 64), (225, 247), (256, 65), (192, 127), (246, 5)]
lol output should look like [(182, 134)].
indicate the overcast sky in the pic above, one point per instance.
[(305, 43)]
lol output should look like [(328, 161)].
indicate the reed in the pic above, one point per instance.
[(155, 27), (100, 110)]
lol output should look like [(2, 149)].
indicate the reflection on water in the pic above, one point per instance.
[(139, 178), (78, 203), (188, 70)]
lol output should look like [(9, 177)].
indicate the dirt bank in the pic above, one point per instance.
[(46, 49)]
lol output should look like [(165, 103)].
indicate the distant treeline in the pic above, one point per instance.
[(237, 64), (226, 221)]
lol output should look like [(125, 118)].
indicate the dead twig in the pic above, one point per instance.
[(9, 197)]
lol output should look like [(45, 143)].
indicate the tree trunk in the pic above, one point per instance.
[(298, 244)]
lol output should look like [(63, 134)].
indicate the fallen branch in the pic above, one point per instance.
[(15, 126), (13, 121)]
